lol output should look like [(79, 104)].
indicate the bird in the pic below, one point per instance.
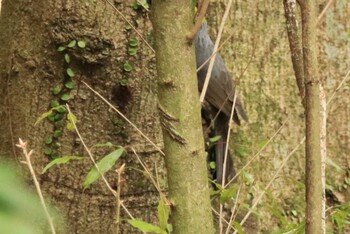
[(220, 95)]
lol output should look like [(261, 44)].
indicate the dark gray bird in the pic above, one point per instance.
[(220, 95)]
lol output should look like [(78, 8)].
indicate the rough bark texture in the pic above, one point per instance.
[(312, 110), (179, 108), (30, 66)]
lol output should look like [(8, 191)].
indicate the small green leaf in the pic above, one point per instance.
[(132, 51), (56, 90), (72, 44), (82, 44), (57, 133), (134, 42), (65, 97), (47, 151), (60, 109), (54, 103), (72, 120), (70, 72), (67, 58), (107, 144), (48, 140), (214, 139), (146, 227), (212, 165), (58, 116), (43, 116), (163, 213), (238, 227), (104, 165), (127, 67), (70, 84), (124, 82), (61, 48), (247, 177), (61, 160), (227, 194)]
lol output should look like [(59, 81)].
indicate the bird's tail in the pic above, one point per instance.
[(220, 129)]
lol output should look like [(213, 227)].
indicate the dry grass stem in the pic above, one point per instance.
[(23, 145)]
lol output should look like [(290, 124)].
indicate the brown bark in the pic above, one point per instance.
[(30, 66), (179, 108)]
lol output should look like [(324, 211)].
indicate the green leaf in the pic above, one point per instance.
[(60, 109), (47, 151), (146, 227), (104, 165), (72, 44), (238, 227), (127, 67), (54, 103), (61, 48), (214, 139), (124, 82), (134, 42), (70, 84), (163, 213), (212, 165), (227, 194), (48, 140), (58, 117), (67, 58), (72, 120), (43, 116), (60, 160), (57, 133), (65, 97), (132, 51), (107, 144), (56, 90), (82, 44), (247, 177), (70, 72)]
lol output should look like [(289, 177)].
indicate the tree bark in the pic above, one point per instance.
[(179, 108), (312, 98), (30, 66)]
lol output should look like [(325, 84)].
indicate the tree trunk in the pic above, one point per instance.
[(179, 108), (31, 66), (312, 110)]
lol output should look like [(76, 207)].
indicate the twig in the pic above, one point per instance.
[(119, 173), (320, 16), (202, 10), (229, 227), (23, 145), (124, 117)]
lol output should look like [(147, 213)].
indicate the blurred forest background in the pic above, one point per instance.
[(259, 57)]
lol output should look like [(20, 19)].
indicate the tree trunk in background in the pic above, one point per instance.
[(30, 66), (313, 120), (179, 108)]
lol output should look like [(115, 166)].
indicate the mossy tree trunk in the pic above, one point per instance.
[(30, 66), (179, 109)]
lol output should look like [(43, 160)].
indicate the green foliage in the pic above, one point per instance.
[(141, 4), (81, 44), (341, 217), (163, 213), (72, 44), (127, 67), (61, 160), (228, 194), (146, 227), (67, 58), (104, 165), (72, 120), (70, 72)]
